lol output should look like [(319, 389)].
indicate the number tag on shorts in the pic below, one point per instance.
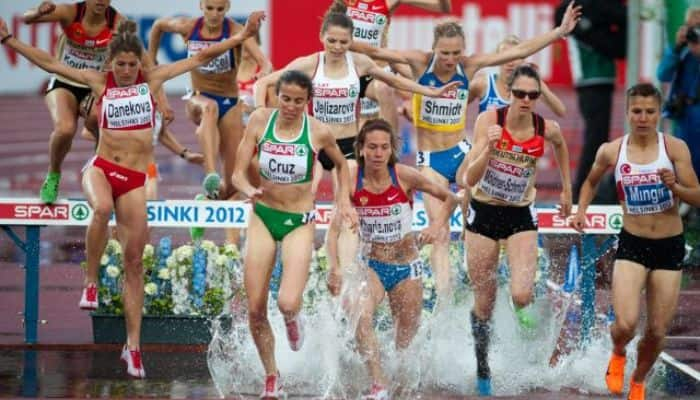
[(416, 269), (422, 159)]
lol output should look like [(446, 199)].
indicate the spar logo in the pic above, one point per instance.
[(21, 211), (301, 151), (641, 179), (334, 92), (509, 168), (554, 220), (395, 209), (80, 212), (280, 149), (615, 221), (120, 93), (366, 16)]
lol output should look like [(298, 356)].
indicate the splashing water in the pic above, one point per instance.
[(440, 359)]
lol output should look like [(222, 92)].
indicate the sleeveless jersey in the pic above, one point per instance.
[(336, 101), (127, 108), (639, 186), (511, 170), (492, 99), (286, 161), (370, 19), (446, 113), (78, 50), (384, 217), (195, 43)]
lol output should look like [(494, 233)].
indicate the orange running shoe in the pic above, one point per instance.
[(615, 376), (636, 390)]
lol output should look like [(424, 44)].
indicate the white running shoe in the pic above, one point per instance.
[(88, 301), (134, 365)]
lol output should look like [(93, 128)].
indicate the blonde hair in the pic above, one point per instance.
[(510, 40), (690, 12), (449, 28)]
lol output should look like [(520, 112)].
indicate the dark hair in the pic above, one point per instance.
[(337, 16), (126, 40), (525, 69), (376, 125), (294, 77), (447, 29), (642, 90)]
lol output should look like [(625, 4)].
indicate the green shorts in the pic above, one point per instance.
[(280, 223)]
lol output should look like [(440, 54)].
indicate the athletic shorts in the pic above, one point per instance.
[(500, 222), (347, 147), (121, 179), (666, 253), (224, 103), (280, 223), (80, 93), (392, 274), (445, 162)]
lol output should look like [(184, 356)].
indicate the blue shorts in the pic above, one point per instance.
[(392, 274), (445, 162), (224, 103)]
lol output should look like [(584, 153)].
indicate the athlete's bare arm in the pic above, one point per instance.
[(47, 11), (179, 25), (443, 6), (244, 155), (486, 135), (604, 159), (552, 100), (252, 47), (684, 182), (553, 135), (306, 64), (417, 59), (477, 87)]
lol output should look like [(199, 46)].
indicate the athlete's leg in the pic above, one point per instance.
[(230, 135), (482, 258), (63, 107), (258, 265), (204, 112), (521, 249), (439, 256), (296, 260), (406, 301), (663, 287), (98, 193), (628, 280), (366, 338), (385, 96)]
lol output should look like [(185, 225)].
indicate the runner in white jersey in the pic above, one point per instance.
[(383, 197), (653, 171)]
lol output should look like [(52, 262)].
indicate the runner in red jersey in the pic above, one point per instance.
[(383, 197), (114, 180)]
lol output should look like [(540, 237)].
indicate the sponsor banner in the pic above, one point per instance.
[(235, 214), (20, 76)]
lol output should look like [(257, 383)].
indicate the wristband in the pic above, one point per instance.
[(183, 152), (6, 38)]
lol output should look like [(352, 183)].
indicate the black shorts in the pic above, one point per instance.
[(347, 147), (500, 222), (80, 93), (666, 253)]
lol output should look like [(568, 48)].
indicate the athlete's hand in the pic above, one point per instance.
[(429, 234), (570, 19), (494, 134), (668, 177), (565, 203), (167, 112), (334, 281), (348, 214), (254, 194), (578, 222), (46, 7), (194, 158), (437, 92), (252, 26)]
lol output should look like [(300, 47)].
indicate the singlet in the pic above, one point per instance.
[(195, 43), (510, 173), (384, 217), (446, 113), (492, 99), (336, 101), (370, 19), (127, 108), (77, 50), (245, 88), (286, 161), (639, 186)]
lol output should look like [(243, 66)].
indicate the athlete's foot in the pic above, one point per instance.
[(49, 189), (134, 365), (196, 232), (636, 390), (273, 388), (483, 386), (377, 392), (295, 332), (526, 320), (88, 301), (615, 375), (211, 185)]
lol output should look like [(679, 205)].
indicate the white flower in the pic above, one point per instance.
[(104, 260), (182, 270), (208, 245), (221, 260), (148, 251), (232, 250), (113, 271), (164, 274), (170, 262), (115, 246), (150, 288)]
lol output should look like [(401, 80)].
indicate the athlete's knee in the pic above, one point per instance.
[(133, 259), (65, 128), (625, 326), (521, 297), (655, 332), (102, 212), (210, 110), (257, 313), (289, 305)]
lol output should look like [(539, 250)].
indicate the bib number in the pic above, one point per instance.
[(416, 269)]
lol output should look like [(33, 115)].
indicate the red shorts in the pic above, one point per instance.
[(121, 179)]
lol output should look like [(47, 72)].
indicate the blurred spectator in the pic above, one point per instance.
[(599, 38)]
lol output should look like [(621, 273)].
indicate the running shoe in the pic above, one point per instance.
[(527, 321), (295, 332), (377, 392), (273, 388), (88, 301), (134, 366), (636, 390), (615, 375), (483, 386), (196, 232), (211, 185), (49, 189)]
